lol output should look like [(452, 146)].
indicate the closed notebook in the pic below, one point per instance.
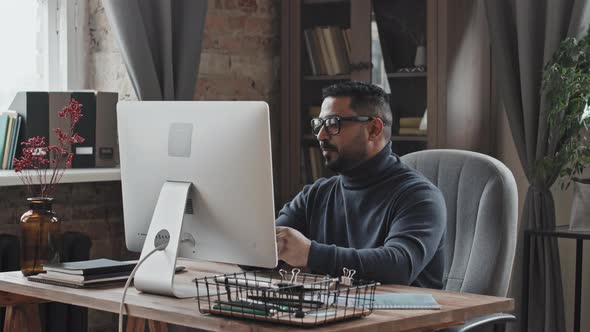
[(106, 283), (95, 266), (81, 282), (87, 278), (405, 301), (399, 301)]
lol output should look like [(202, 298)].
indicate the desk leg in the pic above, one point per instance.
[(19, 316), (156, 326), (135, 324), (578, 296), (524, 297)]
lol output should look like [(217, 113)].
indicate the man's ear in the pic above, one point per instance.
[(376, 129)]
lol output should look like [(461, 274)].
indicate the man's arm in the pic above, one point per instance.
[(293, 214), (412, 241)]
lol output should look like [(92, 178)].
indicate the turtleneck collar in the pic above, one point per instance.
[(370, 171)]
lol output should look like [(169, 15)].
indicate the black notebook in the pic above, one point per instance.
[(91, 267)]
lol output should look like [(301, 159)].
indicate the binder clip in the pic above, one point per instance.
[(284, 275), (346, 278)]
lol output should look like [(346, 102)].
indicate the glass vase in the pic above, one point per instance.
[(40, 236)]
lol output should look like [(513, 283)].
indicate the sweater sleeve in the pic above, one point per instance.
[(411, 242), (293, 214)]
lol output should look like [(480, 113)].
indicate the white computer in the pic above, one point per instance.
[(196, 175)]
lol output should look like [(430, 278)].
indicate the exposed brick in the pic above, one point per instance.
[(248, 6), (268, 7), (259, 26), (230, 4)]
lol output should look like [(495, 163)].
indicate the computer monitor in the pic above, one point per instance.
[(199, 175)]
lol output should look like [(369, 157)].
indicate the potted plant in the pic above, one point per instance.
[(566, 84)]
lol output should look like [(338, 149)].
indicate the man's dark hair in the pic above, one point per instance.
[(365, 99)]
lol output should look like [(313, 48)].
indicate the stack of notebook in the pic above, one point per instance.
[(92, 273)]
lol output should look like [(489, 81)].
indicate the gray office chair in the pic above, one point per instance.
[(482, 201)]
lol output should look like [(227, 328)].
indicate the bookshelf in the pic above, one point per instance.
[(72, 175), (453, 84), (317, 37)]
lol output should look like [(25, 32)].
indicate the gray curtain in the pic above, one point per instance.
[(524, 34), (161, 44), (160, 41)]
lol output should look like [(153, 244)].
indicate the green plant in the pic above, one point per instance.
[(566, 84)]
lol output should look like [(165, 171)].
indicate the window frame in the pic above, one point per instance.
[(65, 38)]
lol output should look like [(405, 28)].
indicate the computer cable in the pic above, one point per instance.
[(158, 248)]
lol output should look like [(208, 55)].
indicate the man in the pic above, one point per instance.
[(377, 216)]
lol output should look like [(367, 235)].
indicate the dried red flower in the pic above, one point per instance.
[(41, 167)]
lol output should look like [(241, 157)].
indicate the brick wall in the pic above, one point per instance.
[(239, 61)]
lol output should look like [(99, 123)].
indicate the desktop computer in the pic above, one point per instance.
[(196, 180)]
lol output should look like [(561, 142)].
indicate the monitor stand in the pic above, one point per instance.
[(156, 274)]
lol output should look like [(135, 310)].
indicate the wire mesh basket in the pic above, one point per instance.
[(293, 298)]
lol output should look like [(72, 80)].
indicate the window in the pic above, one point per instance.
[(42, 46)]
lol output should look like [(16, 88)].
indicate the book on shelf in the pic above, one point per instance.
[(331, 50), (410, 122), (342, 57), (312, 52), (14, 142), (91, 267), (412, 132), (4, 133), (317, 44), (328, 50), (9, 129), (412, 126)]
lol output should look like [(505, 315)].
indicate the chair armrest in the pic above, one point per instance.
[(473, 323)]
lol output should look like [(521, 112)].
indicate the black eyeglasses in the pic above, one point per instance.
[(333, 123)]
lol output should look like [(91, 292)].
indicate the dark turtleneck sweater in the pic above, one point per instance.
[(382, 219)]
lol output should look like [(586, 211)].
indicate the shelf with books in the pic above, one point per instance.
[(72, 175), (409, 45)]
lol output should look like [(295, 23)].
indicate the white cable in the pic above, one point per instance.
[(161, 247)]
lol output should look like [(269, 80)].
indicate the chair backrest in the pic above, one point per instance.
[(482, 202)]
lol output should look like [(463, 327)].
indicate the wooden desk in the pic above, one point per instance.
[(456, 307)]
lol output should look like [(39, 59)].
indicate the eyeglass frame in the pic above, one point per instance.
[(339, 119)]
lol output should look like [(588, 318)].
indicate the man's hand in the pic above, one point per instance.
[(292, 246)]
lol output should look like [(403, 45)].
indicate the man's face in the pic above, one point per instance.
[(348, 148)]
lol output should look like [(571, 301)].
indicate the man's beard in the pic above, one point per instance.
[(343, 162)]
